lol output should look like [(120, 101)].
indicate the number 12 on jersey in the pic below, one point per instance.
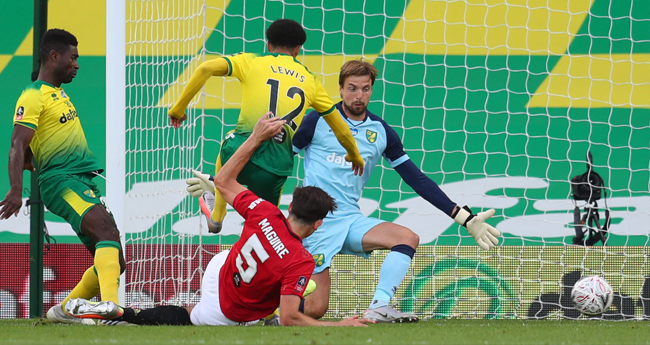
[(291, 93)]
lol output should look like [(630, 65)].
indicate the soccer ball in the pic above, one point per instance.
[(592, 295)]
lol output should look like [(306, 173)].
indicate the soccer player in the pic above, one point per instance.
[(347, 230), (268, 266), (274, 82), (47, 122)]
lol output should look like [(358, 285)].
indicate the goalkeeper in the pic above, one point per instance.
[(346, 230), (274, 82)]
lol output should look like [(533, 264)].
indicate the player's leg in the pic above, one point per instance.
[(219, 211), (208, 311), (98, 224), (323, 245), (71, 197), (264, 184), (402, 243)]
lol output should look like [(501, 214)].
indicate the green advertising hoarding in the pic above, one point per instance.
[(511, 282)]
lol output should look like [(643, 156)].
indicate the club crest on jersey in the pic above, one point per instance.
[(19, 113), (55, 97), (302, 282), (319, 259), (89, 193), (237, 279), (371, 136)]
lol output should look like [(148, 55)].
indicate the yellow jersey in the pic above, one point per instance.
[(59, 144), (280, 84)]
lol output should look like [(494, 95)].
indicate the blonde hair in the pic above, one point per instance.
[(357, 68)]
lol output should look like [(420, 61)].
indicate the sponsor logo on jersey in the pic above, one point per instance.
[(353, 130), (319, 259), (371, 136), (69, 116), (255, 203), (89, 193), (302, 282), (63, 94), (19, 113), (339, 160)]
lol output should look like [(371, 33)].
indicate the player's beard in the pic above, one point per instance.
[(66, 76), (351, 110)]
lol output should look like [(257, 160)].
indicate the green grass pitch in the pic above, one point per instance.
[(34, 331)]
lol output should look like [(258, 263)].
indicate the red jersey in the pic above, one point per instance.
[(267, 261)]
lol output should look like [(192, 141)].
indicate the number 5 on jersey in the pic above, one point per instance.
[(253, 244)]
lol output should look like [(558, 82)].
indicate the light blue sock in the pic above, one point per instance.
[(392, 272)]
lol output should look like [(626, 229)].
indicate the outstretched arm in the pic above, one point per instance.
[(216, 67), (226, 179), (425, 187), (484, 234), (20, 140), (290, 316)]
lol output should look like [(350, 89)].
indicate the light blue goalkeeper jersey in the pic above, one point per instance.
[(325, 165)]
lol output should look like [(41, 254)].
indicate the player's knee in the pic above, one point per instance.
[(99, 225), (411, 239)]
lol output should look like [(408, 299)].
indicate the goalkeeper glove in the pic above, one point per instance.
[(199, 184), (484, 234)]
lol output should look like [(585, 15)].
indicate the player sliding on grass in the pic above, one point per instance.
[(346, 230), (274, 82), (268, 266), (47, 122)]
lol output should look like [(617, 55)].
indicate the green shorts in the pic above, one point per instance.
[(70, 196), (263, 183)]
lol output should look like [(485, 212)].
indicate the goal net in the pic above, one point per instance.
[(497, 101)]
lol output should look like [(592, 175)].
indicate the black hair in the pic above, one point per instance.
[(311, 204), (286, 33), (58, 40)]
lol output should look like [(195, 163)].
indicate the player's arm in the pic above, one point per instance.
[(216, 67), (20, 140), (291, 316), (226, 179)]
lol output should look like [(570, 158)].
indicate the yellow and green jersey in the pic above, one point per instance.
[(59, 144), (280, 84)]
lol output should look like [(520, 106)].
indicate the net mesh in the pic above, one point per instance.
[(498, 102)]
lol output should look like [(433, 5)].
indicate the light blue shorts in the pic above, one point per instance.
[(340, 233)]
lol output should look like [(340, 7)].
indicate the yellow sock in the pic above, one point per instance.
[(276, 312), (87, 287), (219, 211), (107, 264)]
